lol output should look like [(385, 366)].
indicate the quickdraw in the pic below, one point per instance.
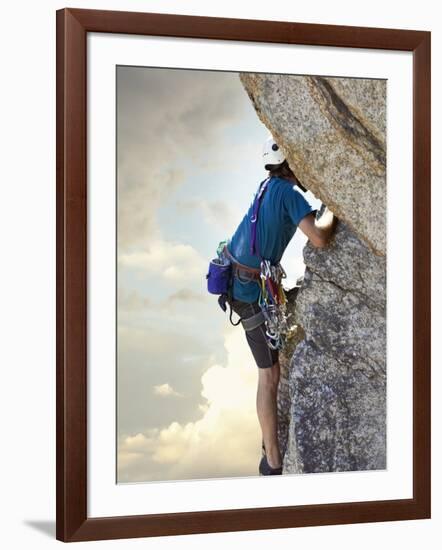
[(273, 303)]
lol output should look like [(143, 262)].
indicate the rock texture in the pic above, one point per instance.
[(337, 372), (332, 394), (332, 132)]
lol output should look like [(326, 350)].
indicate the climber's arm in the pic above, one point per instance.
[(319, 231)]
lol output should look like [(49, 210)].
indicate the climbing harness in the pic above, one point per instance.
[(244, 272)]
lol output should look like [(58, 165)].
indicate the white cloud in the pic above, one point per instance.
[(177, 262), (224, 442), (165, 390)]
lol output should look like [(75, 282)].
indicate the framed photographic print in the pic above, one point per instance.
[(243, 274)]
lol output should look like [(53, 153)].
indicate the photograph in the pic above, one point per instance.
[(251, 282)]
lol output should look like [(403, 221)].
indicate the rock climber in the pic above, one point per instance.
[(283, 208)]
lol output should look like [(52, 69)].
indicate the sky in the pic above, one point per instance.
[(188, 164)]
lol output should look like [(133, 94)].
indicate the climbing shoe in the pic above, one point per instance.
[(266, 470)]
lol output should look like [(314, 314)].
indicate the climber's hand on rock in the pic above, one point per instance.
[(319, 231)]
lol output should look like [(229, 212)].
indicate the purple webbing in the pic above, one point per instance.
[(254, 219)]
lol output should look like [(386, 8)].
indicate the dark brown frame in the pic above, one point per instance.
[(73, 524)]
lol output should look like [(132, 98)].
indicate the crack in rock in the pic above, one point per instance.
[(352, 127)]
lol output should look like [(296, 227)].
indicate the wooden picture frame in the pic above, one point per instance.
[(73, 524)]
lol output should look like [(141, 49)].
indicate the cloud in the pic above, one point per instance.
[(160, 132), (178, 263), (217, 212), (185, 295), (157, 346), (223, 442), (132, 300), (165, 390)]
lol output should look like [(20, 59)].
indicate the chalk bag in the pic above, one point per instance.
[(219, 276)]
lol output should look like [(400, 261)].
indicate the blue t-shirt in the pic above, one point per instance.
[(282, 208)]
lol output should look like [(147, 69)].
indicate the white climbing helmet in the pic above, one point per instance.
[(271, 153)]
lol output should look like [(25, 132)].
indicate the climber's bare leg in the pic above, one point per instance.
[(268, 380)]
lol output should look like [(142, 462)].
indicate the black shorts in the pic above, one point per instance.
[(265, 357)]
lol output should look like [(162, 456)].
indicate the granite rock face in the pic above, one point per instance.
[(332, 394), (337, 372), (332, 132)]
